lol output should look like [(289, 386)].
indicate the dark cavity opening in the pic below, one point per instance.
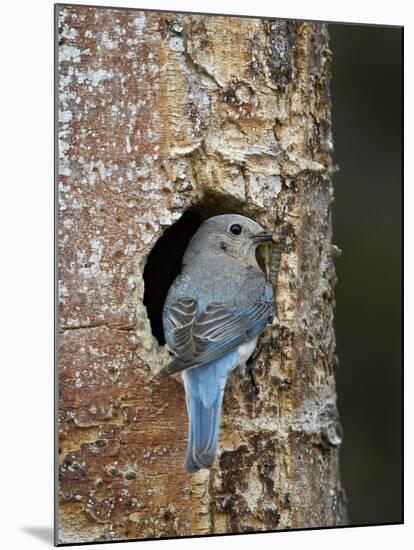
[(164, 260), (163, 265)]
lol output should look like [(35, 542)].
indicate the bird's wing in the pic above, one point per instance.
[(199, 339), (178, 320)]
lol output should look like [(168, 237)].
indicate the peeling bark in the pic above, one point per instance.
[(160, 112)]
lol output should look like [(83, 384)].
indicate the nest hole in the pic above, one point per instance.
[(164, 261)]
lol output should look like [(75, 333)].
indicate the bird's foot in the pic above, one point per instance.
[(250, 366)]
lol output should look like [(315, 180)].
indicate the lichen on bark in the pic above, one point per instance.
[(160, 113)]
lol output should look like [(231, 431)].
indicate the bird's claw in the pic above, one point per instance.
[(251, 364)]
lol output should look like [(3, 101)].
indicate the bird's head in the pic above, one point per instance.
[(234, 235)]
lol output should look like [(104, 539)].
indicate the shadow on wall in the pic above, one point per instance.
[(367, 129)]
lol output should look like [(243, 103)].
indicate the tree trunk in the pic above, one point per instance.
[(161, 113)]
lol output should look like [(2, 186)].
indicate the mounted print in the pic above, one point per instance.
[(196, 354)]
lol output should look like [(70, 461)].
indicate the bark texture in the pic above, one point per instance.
[(158, 113)]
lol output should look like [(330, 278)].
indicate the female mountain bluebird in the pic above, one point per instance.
[(213, 315)]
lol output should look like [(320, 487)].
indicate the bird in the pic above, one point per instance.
[(214, 312)]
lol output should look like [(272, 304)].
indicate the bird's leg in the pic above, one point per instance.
[(251, 364)]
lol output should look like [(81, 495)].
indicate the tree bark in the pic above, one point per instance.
[(159, 113)]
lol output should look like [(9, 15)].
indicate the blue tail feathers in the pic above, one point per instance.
[(204, 386), (203, 429)]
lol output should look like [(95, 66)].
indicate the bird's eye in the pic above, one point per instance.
[(236, 229)]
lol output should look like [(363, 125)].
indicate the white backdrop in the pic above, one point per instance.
[(26, 268)]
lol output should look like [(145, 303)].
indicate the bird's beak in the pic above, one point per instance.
[(266, 236)]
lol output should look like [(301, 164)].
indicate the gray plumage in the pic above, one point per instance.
[(213, 314)]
